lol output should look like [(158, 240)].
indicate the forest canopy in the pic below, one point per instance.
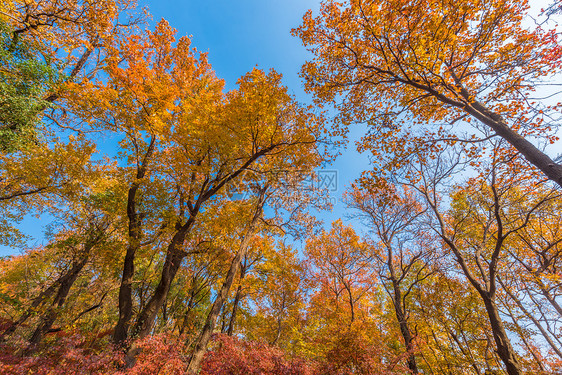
[(186, 232)]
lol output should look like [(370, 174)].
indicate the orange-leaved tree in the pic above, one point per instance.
[(394, 62), (340, 263), (188, 147)]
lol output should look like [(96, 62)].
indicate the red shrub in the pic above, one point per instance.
[(160, 354), (231, 356), (67, 356)]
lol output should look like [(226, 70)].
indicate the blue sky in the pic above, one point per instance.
[(239, 35)]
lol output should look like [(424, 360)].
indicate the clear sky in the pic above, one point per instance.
[(239, 35)]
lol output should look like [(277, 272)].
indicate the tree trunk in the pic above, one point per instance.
[(223, 319), (503, 345), (50, 315), (522, 335), (497, 123), (404, 327), (121, 330), (174, 257), (535, 156), (278, 330), (146, 318), (126, 294), (237, 298), (205, 336)]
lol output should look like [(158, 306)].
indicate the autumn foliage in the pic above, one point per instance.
[(185, 232)]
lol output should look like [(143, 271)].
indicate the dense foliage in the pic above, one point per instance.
[(181, 236)]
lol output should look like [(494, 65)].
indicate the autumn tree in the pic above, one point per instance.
[(198, 280), (35, 179), (452, 331), (280, 287), (531, 283), (480, 224), (258, 124), (340, 261), (391, 64), (193, 141), (141, 101), (402, 249), (46, 48), (273, 189), (249, 231), (253, 257), (85, 235)]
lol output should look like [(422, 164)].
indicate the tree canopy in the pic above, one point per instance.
[(185, 228)]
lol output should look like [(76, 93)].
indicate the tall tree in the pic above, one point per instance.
[(479, 226), (205, 335), (279, 295), (255, 129), (402, 62), (188, 144), (402, 249)]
